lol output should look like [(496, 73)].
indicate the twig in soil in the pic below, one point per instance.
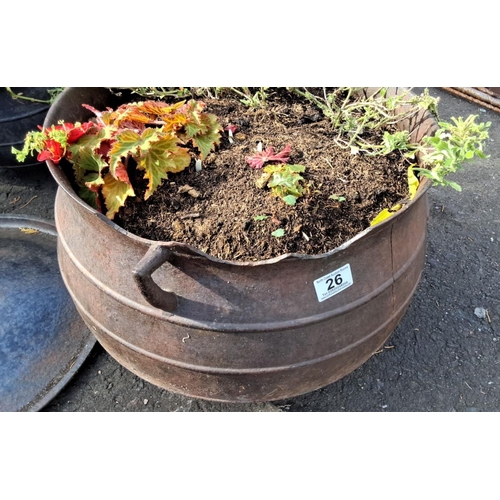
[(328, 161), (189, 190), (385, 347), (468, 385), (331, 166), (26, 204), (193, 215), (15, 200), (488, 316)]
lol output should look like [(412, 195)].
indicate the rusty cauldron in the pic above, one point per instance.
[(235, 332)]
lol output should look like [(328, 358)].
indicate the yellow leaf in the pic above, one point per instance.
[(412, 182), (115, 194), (385, 214), (28, 230)]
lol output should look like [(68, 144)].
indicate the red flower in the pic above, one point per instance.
[(73, 133), (53, 151), (77, 132)]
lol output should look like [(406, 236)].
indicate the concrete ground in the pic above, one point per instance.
[(445, 354)]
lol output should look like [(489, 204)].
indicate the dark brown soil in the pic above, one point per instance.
[(221, 220)]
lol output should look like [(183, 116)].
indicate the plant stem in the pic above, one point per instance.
[(242, 94), (20, 96)]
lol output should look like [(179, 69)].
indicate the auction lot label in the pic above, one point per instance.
[(333, 283)]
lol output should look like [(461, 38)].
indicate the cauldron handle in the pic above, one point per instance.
[(155, 257)]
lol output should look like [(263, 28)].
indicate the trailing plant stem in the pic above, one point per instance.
[(31, 99)]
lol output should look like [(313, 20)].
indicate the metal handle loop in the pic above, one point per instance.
[(155, 257)]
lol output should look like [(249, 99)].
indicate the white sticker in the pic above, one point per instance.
[(333, 283)]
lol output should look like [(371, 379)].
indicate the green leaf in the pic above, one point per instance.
[(89, 161), (85, 161), (197, 123), (93, 179), (206, 143), (279, 233), (261, 217), (454, 185), (210, 137), (88, 196), (92, 141), (296, 168), (131, 143), (203, 129), (336, 197), (290, 200), (162, 157), (286, 180)]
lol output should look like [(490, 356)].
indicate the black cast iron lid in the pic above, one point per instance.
[(43, 340), (17, 118)]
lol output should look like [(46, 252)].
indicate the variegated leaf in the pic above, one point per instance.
[(115, 194)]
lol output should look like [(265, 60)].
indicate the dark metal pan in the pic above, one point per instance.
[(43, 340)]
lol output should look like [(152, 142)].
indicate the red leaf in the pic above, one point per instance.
[(105, 148), (259, 159), (121, 173)]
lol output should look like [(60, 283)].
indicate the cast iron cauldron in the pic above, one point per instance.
[(237, 332)]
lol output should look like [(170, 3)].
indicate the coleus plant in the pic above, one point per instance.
[(152, 136), (260, 158), (283, 179)]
